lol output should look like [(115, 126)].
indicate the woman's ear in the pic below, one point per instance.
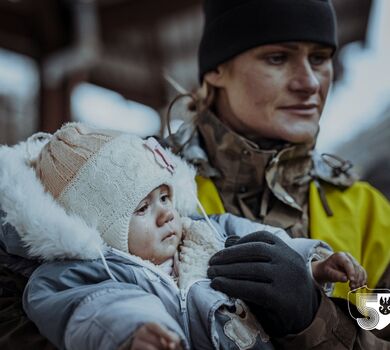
[(216, 77)]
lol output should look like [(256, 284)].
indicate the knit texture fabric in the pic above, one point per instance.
[(69, 149), (234, 26), (102, 176)]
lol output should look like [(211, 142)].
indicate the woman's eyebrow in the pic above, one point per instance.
[(322, 47), (291, 46), (295, 46)]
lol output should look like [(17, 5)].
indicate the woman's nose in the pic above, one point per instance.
[(305, 80), (165, 215)]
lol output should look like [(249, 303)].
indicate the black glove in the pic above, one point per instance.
[(271, 278)]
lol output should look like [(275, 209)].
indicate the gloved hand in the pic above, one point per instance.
[(271, 278)]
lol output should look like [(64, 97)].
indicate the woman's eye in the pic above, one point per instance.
[(318, 59), (276, 59)]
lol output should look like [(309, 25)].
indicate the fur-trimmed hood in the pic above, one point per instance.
[(46, 231)]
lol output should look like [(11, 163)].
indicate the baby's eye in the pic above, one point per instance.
[(164, 197), (142, 209)]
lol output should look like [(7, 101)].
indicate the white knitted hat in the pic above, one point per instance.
[(102, 175)]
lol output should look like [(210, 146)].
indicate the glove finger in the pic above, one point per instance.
[(261, 272), (231, 240), (247, 252), (258, 236), (253, 292)]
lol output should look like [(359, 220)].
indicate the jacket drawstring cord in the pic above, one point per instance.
[(106, 266), (323, 199), (217, 234)]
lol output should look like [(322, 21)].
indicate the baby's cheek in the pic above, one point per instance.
[(173, 246)]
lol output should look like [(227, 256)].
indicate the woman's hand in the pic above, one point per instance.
[(339, 267), (152, 336), (271, 278)]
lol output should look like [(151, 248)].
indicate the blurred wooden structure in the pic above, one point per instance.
[(123, 45)]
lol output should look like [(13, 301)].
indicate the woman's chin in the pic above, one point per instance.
[(301, 136)]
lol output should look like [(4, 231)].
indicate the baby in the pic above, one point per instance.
[(126, 267)]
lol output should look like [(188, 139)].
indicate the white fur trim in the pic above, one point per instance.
[(44, 226)]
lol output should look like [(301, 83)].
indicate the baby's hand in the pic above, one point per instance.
[(152, 336), (339, 267)]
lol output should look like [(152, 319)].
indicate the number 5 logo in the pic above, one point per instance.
[(374, 304)]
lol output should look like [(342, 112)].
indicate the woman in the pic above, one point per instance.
[(265, 69)]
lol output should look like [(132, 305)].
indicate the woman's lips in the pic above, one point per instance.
[(301, 109)]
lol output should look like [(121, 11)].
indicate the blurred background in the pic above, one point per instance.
[(114, 63)]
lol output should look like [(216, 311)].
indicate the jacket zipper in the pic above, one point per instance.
[(182, 292), (183, 309)]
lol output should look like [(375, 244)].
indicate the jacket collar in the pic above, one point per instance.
[(248, 168), (261, 183)]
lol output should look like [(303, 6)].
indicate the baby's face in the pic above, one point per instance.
[(155, 228)]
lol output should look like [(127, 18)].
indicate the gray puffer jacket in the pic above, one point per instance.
[(77, 305)]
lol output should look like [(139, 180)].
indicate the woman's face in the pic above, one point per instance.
[(274, 91), (155, 228)]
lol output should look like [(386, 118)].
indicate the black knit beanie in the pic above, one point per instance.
[(234, 26)]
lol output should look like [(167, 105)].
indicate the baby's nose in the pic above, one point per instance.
[(165, 216)]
